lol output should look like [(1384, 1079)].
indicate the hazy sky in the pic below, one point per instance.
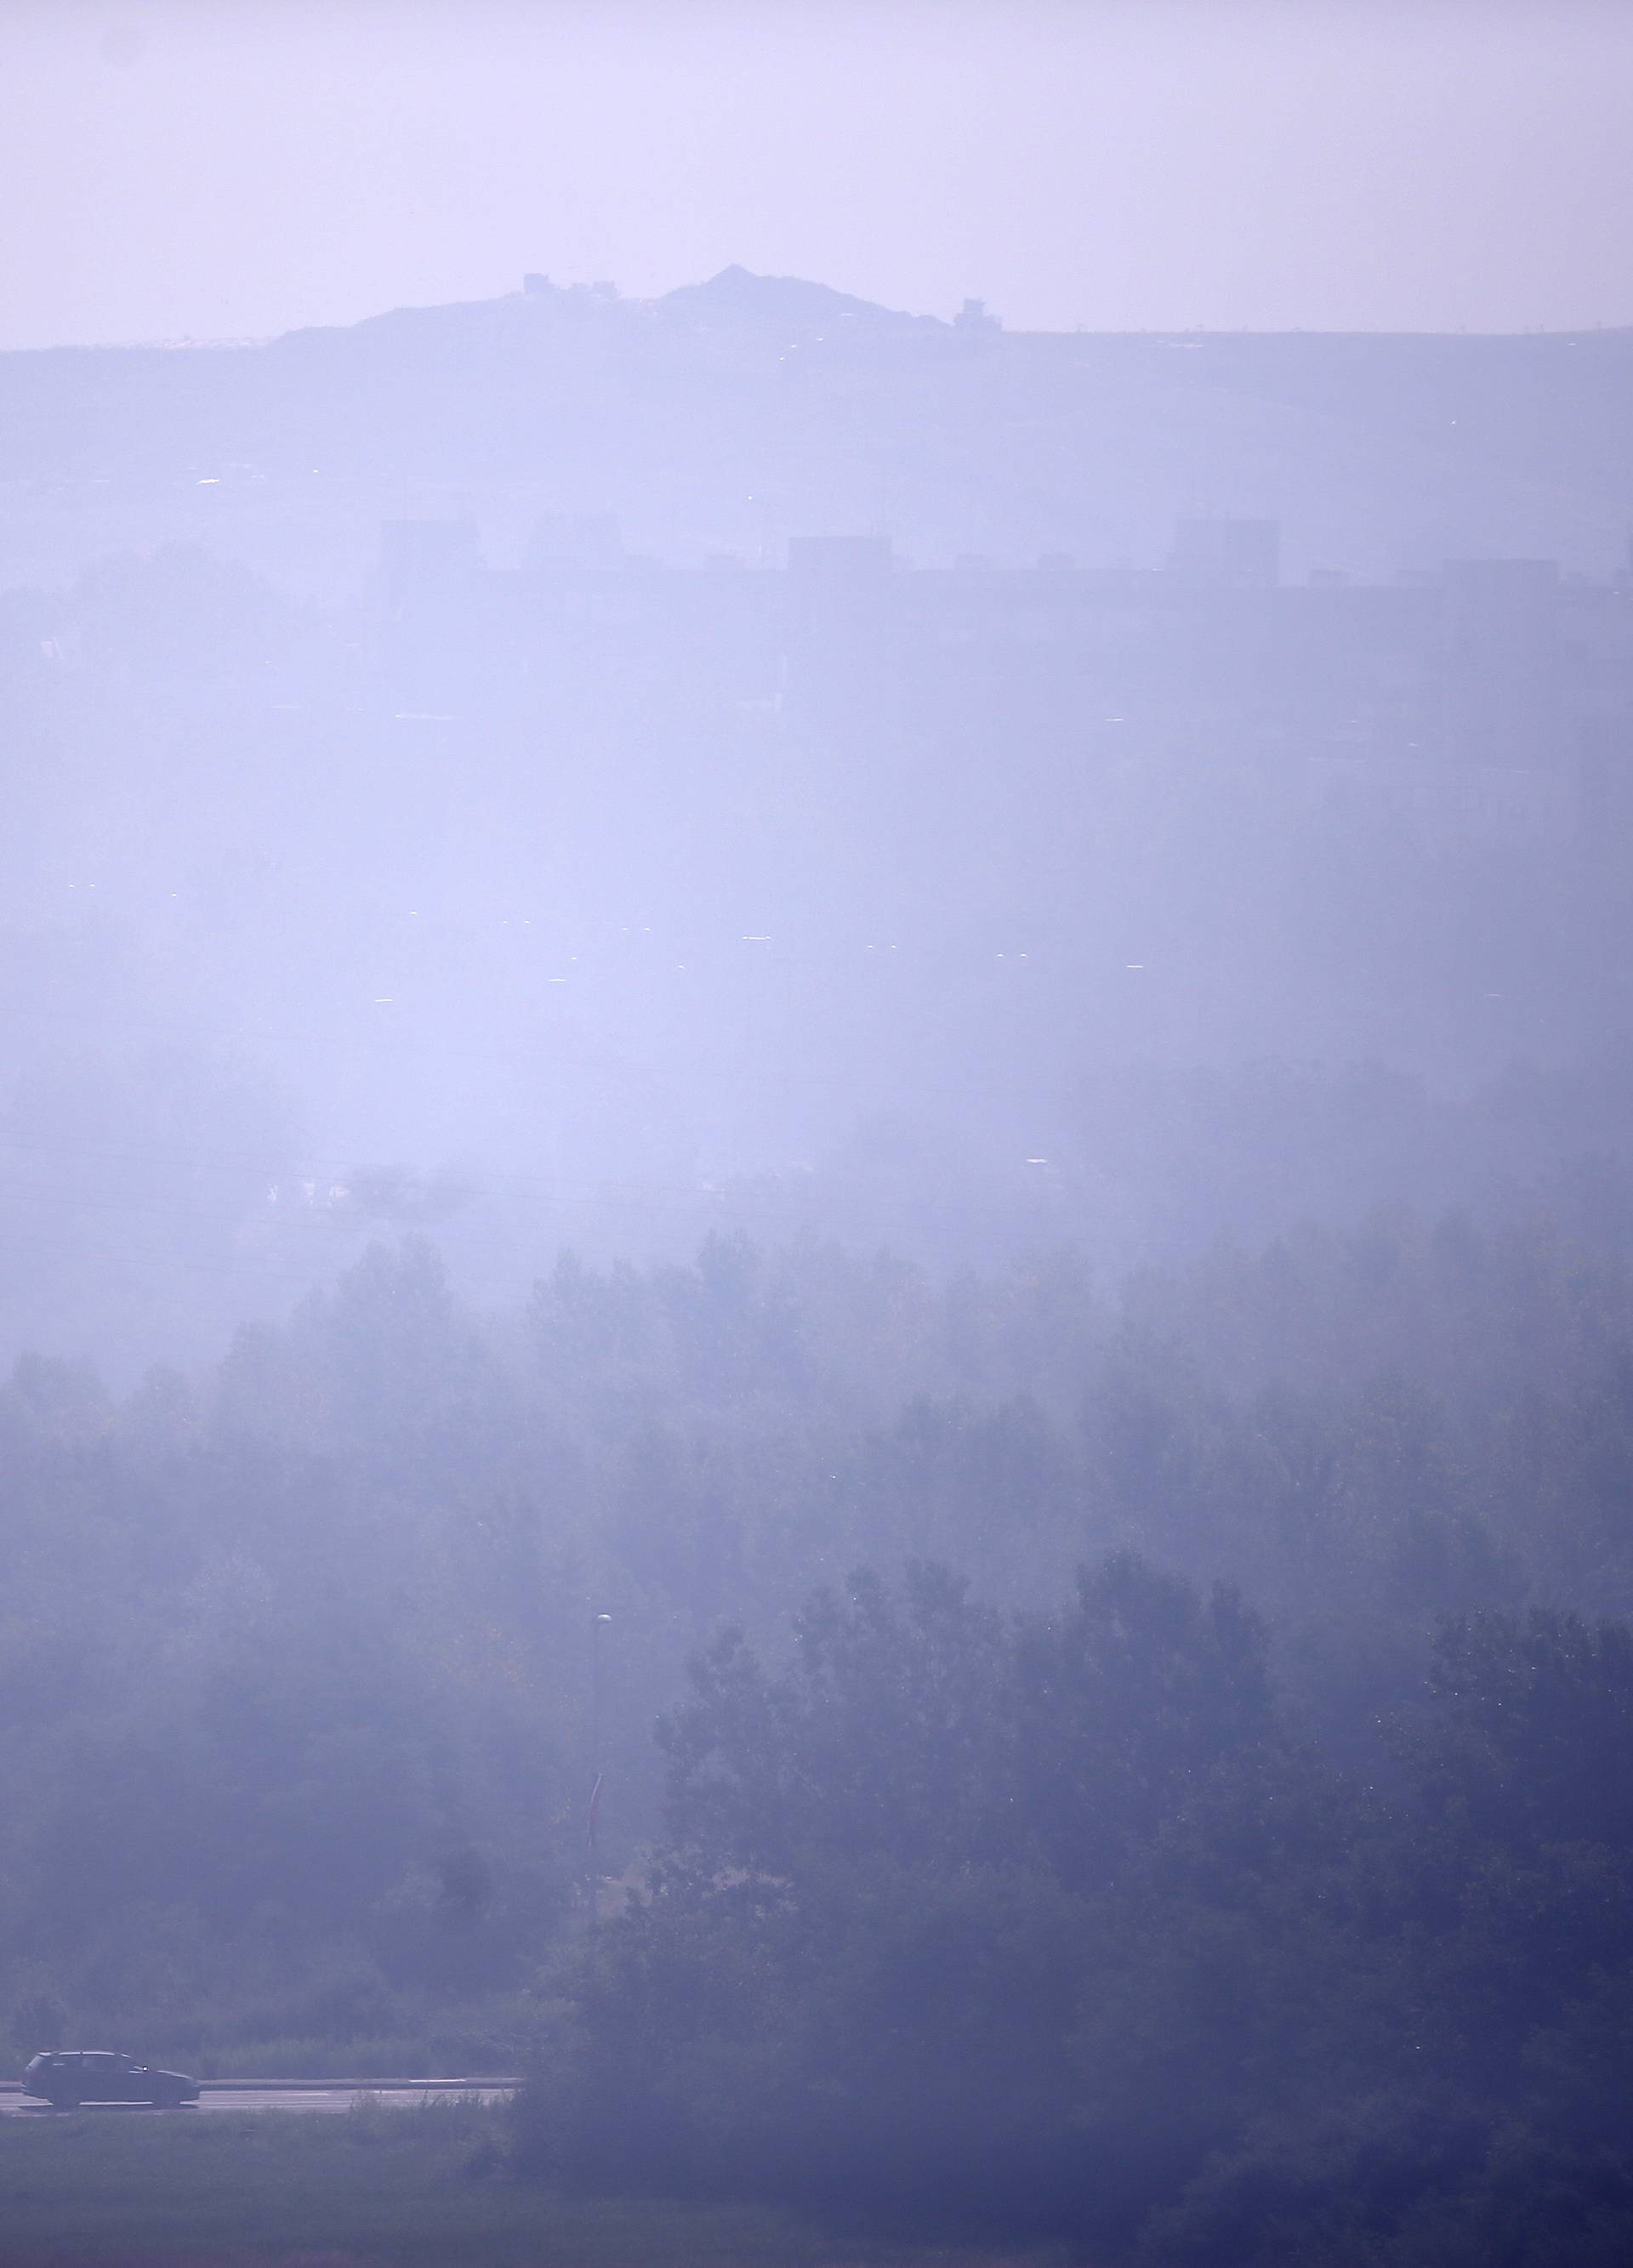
[(224, 169)]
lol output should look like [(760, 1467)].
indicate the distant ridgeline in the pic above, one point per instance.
[(735, 414)]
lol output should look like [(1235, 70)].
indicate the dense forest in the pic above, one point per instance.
[(1140, 1758)]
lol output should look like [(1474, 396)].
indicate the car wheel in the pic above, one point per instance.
[(168, 2101), (64, 2101)]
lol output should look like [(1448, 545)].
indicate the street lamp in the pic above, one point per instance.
[(597, 1776)]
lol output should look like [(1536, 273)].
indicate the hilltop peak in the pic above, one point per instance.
[(737, 294)]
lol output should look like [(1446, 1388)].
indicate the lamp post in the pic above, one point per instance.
[(597, 1762)]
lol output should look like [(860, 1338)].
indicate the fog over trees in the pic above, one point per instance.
[(714, 963)]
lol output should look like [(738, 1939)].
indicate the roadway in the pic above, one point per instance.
[(278, 2094)]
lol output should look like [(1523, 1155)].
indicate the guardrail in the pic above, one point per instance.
[(323, 2085)]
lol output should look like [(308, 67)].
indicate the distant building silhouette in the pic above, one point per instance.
[(420, 554), (1501, 661), (1486, 693), (839, 560), (575, 539), (1241, 555)]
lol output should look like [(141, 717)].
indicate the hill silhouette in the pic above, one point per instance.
[(731, 413)]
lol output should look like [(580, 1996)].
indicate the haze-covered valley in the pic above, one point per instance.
[(819, 1285), (587, 807)]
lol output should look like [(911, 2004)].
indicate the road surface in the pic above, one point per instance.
[(290, 2095)]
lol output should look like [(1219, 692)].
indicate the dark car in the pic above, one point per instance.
[(66, 2078)]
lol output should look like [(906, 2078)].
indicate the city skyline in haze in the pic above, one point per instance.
[(239, 170)]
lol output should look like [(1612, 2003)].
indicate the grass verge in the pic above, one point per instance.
[(369, 2188)]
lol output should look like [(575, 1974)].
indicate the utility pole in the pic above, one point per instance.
[(597, 1768)]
